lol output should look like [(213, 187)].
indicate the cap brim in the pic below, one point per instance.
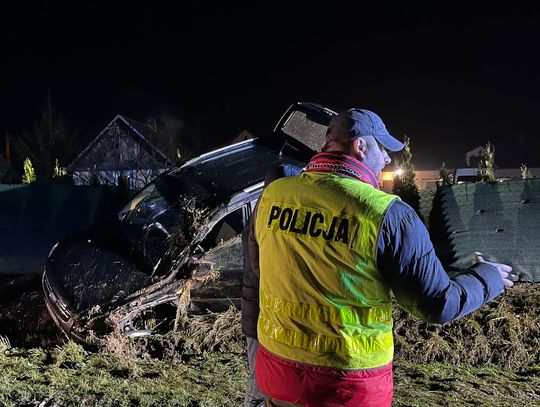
[(389, 142)]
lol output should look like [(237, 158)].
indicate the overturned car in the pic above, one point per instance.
[(176, 246)]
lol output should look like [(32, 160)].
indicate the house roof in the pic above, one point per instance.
[(500, 220), (153, 141)]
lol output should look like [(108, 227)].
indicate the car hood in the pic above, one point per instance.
[(85, 275)]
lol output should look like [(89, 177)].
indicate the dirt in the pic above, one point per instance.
[(24, 318)]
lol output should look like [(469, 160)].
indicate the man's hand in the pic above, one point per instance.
[(504, 269)]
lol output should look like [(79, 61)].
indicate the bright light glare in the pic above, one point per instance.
[(399, 172), (387, 176)]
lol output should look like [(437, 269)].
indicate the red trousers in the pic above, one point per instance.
[(307, 385)]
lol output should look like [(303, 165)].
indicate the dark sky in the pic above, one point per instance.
[(450, 78)]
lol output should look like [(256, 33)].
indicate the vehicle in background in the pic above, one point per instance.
[(468, 174), (461, 175), (176, 245)]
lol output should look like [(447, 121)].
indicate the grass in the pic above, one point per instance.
[(438, 384), (504, 333), (490, 358), (34, 376), (69, 376)]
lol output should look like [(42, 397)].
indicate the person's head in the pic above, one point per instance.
[(363, 135)]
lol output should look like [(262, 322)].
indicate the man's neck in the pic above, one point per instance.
[(342, 164)]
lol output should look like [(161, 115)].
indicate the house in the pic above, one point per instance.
[(126, 149)]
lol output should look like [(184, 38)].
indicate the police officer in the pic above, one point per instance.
[(332, 248)]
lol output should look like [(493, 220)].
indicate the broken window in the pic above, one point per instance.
[(227, 228), (219, 268)]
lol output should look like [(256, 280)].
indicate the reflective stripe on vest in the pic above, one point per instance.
[(322, 300)]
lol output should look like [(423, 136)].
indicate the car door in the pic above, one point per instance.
[(218, 282)]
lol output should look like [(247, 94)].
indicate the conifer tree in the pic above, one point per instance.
[(29, 175), (3, 167), (59, 171), (444, 179), (404, 184), (486, 165), (49, 143), (525, 173)]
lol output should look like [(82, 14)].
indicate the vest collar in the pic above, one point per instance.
[(343, 164)]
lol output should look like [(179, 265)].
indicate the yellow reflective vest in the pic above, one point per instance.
[(322, 300)]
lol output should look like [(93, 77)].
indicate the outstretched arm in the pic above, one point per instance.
[(408, 262)]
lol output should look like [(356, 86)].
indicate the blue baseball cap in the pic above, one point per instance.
[(353, 123)]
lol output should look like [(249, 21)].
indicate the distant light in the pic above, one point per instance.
[(387, 176), (399, 172)]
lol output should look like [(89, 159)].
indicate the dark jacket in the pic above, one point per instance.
[(250, 276)]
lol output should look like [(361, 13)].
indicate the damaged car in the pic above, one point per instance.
[(176, 246)]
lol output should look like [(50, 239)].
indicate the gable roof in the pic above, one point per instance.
[(151, 140), (500, 220)]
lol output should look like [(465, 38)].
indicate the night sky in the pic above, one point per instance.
[(450, 78)]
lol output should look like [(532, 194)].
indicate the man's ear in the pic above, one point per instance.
[(360, 146)]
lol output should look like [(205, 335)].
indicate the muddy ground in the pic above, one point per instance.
[(24, 318)]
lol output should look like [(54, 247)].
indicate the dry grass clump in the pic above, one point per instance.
[(5, 344), (503, 333), (220, 332), (437, 384), (69, 352), (195, 335), (122, 346)]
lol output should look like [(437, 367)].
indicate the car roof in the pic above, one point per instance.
[(214, 178)]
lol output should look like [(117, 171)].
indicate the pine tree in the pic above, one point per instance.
[(59, 171), (29, 176), (48, 144), (404, 184), (486, 165), (3, 167), (525, 173), (444, 179)]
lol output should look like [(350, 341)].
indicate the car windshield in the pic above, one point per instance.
[(467, 178), (155, 218)]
